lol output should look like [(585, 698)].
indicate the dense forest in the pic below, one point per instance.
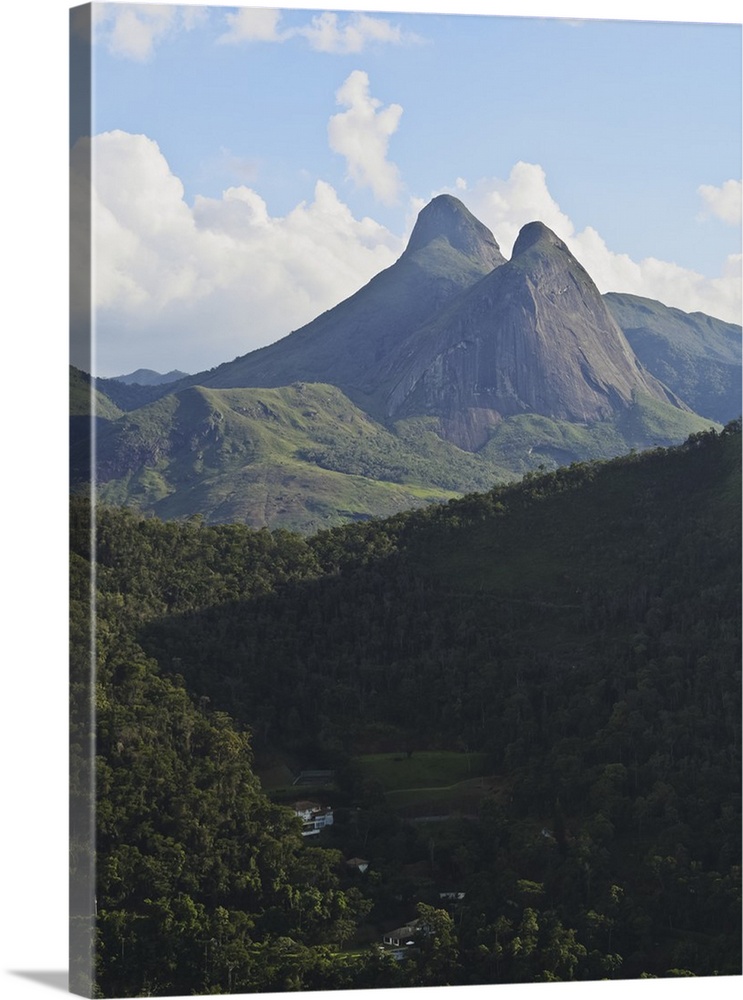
[(569, 645)]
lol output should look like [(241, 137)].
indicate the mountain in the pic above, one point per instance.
[(454, 333), (534, 336), (84, 397), (449, 251), (305, 457), (695, 355), (146, 376), (89, 408), (451, 370)]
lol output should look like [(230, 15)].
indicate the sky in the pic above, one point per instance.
[(252, 167)]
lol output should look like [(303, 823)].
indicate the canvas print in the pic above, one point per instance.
[(405, 397)]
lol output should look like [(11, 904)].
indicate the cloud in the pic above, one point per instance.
[(190, 287), (326, 32), (251, 24), (507, 205), (659, 279), (722, 202), (362, 133), (131, 31)]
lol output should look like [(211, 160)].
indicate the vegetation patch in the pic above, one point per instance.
[(578, 632), (423, 769)]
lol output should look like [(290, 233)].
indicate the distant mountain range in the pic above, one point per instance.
[(697, 356), (451, 370), (146, 376)]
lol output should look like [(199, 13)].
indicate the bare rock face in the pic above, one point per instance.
[(449, 251), (534, 336)]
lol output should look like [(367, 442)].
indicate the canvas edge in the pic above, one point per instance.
[(82, 917)]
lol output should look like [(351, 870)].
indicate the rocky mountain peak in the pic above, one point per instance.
[(534, 233), (446, 218)]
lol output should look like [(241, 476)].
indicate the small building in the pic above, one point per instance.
[(314, 816), (456, 896), (358, 863), (403, 936)]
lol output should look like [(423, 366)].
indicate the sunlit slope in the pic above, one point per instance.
[(301, 456), (305, 457)]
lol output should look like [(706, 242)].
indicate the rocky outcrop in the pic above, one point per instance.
[(449, 251), (534, 336)]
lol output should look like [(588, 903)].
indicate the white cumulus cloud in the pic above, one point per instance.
[(507, 205), (253, 24), (190, 287), (325, 32), (361, 135), (723, 202), (133, 30)]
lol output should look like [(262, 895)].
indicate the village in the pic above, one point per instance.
[(389, 815)]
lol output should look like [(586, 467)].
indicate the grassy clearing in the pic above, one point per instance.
[(462, 797), (425, 769)]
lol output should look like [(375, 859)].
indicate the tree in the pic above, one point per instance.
[(437, 949)]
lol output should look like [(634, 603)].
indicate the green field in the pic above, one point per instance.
[(462, 797), (424, 769)]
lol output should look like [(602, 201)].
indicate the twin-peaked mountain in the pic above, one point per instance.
[(453, 330), (451, 369)]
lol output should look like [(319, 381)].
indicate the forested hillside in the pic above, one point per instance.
[(203, 885), (569, 646)]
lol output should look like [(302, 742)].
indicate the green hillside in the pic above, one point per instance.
[(84, 398), (563, 652), (531, 442), (695, 355), (305, 457), (491, 575), (301, 456)]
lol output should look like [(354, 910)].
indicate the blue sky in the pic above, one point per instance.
[(277, 160)]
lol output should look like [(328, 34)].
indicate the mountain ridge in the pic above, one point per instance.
[(470, 368), (148, 376), (697, 356)]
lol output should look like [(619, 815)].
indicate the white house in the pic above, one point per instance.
[(314, 816)]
